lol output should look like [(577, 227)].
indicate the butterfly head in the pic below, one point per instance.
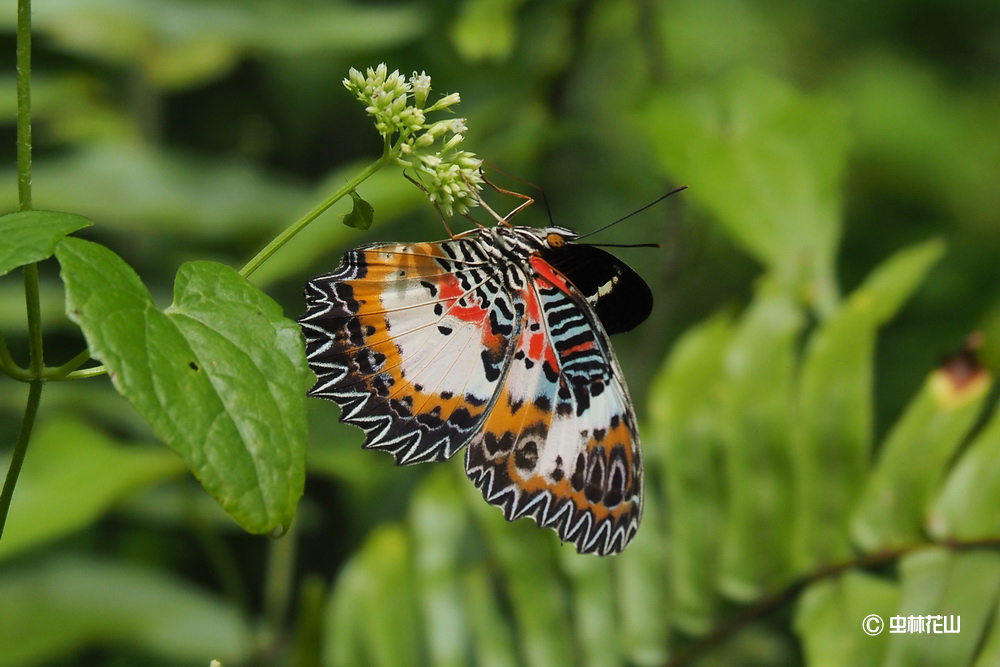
[(558, 237)]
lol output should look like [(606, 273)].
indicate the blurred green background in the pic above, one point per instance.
[(842, 162)]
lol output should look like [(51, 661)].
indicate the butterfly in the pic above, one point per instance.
[(495, 340)]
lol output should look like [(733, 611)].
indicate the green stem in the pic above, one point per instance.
[(221, 559), (697, 649), (9, 366), (86, 373), (67, 369), (36, 364), (24, 104), (285, 236), (32, 301), (20, 449), (278, 583)]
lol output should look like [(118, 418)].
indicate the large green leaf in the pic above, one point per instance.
[(491, 633), (893, 508), (133, 188), (834, 437), (55, 606), (830, 615), (178, 43), (966, 509), (938, 581), (31, 236), (439, 522), (373, 617), (767, 162), (591, 587), (756, 554), (641, 586), (220, 375), (71, 476), (531, 581), (686, 435)]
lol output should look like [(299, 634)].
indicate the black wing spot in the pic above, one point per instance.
[(576, 479), (526, 456), (557, 473), (594, 491), (496, 446)]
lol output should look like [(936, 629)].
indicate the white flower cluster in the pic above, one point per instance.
[(450, 176)]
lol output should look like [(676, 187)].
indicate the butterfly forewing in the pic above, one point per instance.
[(482, 341), (621, 299), (411, 340)]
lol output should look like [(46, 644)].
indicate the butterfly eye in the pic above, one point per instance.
[(554, 240)]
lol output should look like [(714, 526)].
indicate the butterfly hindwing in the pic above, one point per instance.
[(560, 444), (411, 340)]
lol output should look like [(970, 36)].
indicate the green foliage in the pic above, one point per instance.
[(806, 450), (31, 236), (57, 604), (220, 375), (361, 214), (72, 455)]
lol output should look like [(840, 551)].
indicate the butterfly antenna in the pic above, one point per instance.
[(624, 245), (638, 210)]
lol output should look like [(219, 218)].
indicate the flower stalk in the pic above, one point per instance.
[(430, 150)]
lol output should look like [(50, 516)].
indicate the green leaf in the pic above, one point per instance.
[(439, 522), (492, 638), (373, 614), (361, 214), (595, 619), (989, 655), (684, 427), (486, 29), (72, 475), (913, 461), (642, 588), (31, 236), (532, 583), (756, 554), (830, 615), (831, 455), (56, 606), (938, 581), (966, 509), (220, 375), (768, 163), (160, 36), (134, 188)]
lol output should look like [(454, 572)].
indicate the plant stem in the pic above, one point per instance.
[(285, 236), (9, 366), (24, 104), (278, 582), (69, 368), (20, 449), (697, 649), (85, 373), (36, 364), (32, 302)]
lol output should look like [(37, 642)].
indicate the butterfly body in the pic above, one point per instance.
[(492, 341)]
